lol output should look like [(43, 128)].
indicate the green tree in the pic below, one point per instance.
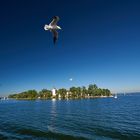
[(92, 89), (84, 91), (73, 92), (31, 94), (78, 92), (45, 94), (62, 92)]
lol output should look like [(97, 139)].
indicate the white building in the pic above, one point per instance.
[(59, 96), (53, 92)]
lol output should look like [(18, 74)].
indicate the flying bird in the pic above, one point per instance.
[(52, 27)]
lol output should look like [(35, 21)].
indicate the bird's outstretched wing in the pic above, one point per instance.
[(54, 21), (55, 36)]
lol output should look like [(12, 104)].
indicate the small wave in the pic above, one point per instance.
[(114, 134), (48, 134)]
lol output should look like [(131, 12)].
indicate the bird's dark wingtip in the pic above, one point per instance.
[(56, 17)]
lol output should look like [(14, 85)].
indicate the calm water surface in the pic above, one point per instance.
[(95, 119)]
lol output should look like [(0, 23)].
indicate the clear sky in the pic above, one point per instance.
[(99, 43)]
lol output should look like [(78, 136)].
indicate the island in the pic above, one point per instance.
[(92, 91)]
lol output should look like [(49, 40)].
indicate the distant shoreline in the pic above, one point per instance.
[(92, 91), (90, 97)]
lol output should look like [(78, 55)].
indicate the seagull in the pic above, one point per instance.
[(52, 27)]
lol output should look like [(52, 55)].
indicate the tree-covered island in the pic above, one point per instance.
[(92, 91)]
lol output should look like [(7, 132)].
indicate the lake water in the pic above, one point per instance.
[(95, 119)]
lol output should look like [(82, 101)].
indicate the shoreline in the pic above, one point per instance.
[(87, 97)]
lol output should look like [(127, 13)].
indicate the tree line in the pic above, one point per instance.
[(72, 93)]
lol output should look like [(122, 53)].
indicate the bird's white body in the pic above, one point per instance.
[(49, 27)]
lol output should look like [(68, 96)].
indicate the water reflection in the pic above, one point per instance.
[(53, 116)]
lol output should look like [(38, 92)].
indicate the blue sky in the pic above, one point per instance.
[(99, 43)]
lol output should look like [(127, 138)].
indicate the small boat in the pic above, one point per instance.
[(115, 96)]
